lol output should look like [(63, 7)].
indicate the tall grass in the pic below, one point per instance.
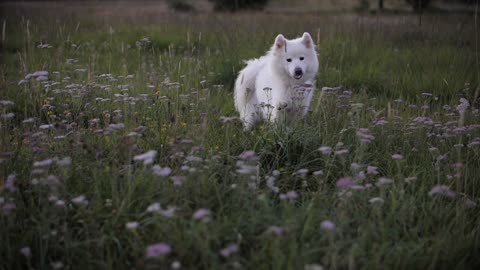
[(383, 173)]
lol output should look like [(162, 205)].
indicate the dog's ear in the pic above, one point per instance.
[(280, 42), (307, 40)]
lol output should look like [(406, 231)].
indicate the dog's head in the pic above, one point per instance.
[(296, 56)]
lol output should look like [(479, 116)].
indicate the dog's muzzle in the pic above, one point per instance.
[(298, 73)]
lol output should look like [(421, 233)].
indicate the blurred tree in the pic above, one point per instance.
[(418, 5), (235, 5), (180, 5)]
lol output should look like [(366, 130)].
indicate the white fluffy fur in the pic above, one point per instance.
[(268, 88)]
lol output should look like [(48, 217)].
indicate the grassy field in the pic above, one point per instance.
[(119, 150)]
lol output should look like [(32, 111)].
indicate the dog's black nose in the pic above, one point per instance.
[(298, 71)]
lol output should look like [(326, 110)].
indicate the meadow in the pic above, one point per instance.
[(120, 147)]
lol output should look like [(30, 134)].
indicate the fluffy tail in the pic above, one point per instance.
[(245, 84)]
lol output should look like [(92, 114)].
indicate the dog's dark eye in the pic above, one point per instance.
[(289, 59), (301, 58)]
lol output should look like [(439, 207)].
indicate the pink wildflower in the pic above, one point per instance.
[(442, 190), (372, 170), (397, 157), (411, 179), (159, 171), (158, 249), (10, 183), (291, 195), (328, 225), (229, 250), (276, 230), (249, 154), (177, 180), (147, 157), (325, 150), (80, 200), (384, 181), (376, 200), (341, 152), (132, 225), (202, 214), (345, 182), (26, 251)]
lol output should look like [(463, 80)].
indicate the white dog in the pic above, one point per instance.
[(279, 85)]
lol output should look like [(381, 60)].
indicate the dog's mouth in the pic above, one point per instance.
[(298, 76)]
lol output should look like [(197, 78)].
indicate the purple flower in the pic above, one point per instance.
[(154, 207), (301, 172), (249, 154), (244, 168), (52, 180), (147, 157), (133, 133), (341, 152), (193, 159), (10, 183), (116, 126), (229, 250), (376, 200), (397, 157), (64, 161), (345, 182), (463, 106), (80, 200), (60, 203), (327, 225), (6, 102), (28, 120), (132, 225), (202, 214), (57, 265), (8, 207), (271, 184), (39, 73), (441, 157), (169, 212), (355, 166), (8, 115), (176, 265), (158, 249), (325, 150), (291, 195), (372, 170), (159, 171), (411, 179), (177, 180), (469, 203), (26, 251), (363, 134), (423, 119), (43, 163), (384, 181), (380, 122), (442, 190), (277, 230)]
